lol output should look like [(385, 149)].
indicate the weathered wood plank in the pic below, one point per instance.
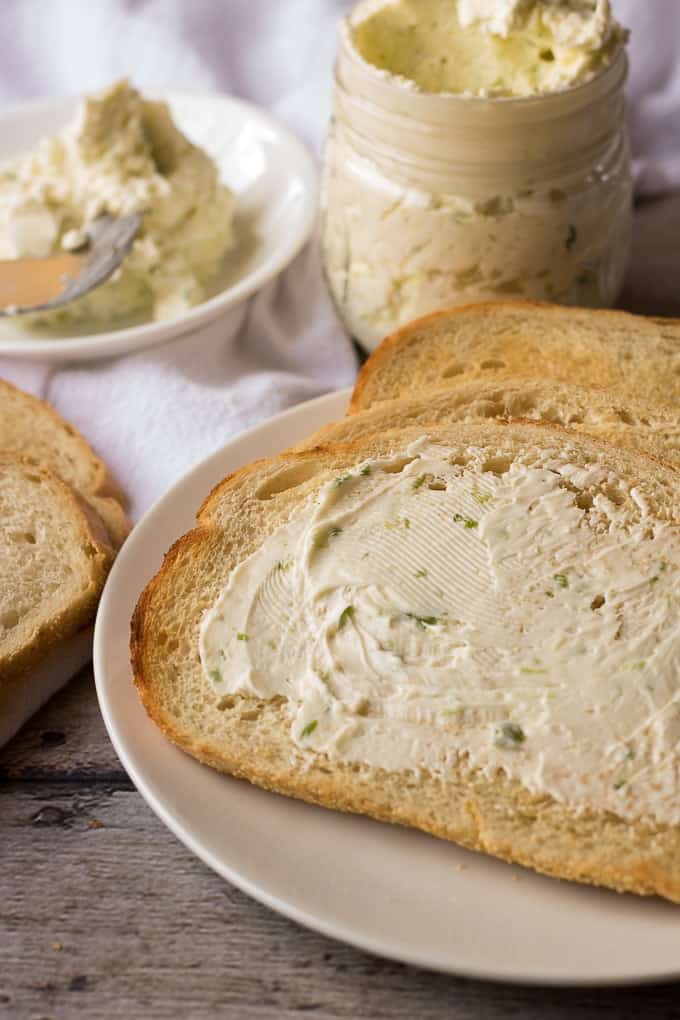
[(66, 739), (104, 914)]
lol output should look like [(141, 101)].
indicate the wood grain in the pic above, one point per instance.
[(105, 914)]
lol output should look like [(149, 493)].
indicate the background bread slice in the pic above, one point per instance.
[(31, 429), (652, 430), (250, 738), (54, 557), (636, 356)]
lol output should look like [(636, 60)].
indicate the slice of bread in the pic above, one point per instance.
[(634, 356), (652, 430), (250, 736), (54, 557), (31, 429)]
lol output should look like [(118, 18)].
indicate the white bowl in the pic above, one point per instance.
[(271, 173)]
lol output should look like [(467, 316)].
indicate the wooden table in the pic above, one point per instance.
[(104, 914)]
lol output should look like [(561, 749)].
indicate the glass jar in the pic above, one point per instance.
[(430, 200)]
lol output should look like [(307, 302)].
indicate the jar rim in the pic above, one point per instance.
[(383, 83)]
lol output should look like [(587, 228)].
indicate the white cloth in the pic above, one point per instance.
[(154, 414)]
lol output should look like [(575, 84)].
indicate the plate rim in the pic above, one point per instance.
[(337, 401), (127, 340)]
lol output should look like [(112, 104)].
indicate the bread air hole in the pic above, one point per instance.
[(521, 406), (9, 618), (552, 414), (625, 416), (497, 465), (492, 409), (614, 494), (584, 501), (23, 536), (452, 369), (491, 364), (598, 602), (288, 478)]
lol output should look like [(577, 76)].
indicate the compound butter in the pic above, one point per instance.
[(520, 613)]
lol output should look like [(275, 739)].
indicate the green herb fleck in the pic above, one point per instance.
[(309, 728), (215, 676), (481, 497), (571, 237), (325, 677), (550, 594), (547, 55), (406, 522), (243, 637), (419, 482), (423, 621), (284, 564), (272, 644), (420, 573), (509, 735), (663, 566), (342, 479), (532, 672), (366, 470), (562, 580), (345, 615), (619, 783), (469, 522)]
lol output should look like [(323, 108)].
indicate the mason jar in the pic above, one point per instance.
[(435, 199)]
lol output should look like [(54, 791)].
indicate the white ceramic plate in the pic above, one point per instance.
[(392, 891), (271, 173)]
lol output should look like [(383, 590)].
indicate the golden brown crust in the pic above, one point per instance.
[(642, 428), (93, 558), (251, 738), (103, 492), (368, 391)]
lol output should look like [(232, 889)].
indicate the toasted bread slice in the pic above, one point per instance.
[(54, 557), (31, 429), (650, 429), (251, 736), (632, 356)]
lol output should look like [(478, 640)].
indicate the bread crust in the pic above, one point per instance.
[(642, 428), (77, 608), (61, 442), (250, 738), (655, 385)]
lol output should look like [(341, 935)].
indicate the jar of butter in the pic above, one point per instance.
[(518, 186)]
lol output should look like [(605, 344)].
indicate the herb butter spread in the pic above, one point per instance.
[(522, 613), (123, 154), (487, 47)]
